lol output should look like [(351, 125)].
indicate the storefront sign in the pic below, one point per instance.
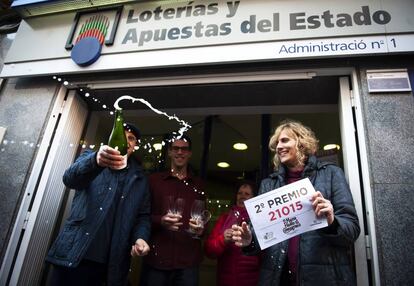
[(283, 213), (243, 21), (152, 33)]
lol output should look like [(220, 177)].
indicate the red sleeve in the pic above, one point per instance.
[(214, 246)]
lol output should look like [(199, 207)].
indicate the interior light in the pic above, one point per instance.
[(223, 164), (331, 146), (240, 146), (157, 146)]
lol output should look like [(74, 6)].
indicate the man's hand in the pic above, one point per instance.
[(322, 207), (196, 228), (242, 236), (109, 157), (140, 248), (171, 221)]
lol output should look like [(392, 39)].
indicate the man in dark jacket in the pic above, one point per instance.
[(109, 219)]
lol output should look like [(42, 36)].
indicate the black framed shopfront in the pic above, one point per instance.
[(222, 85)]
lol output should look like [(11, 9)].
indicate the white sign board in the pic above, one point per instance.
[(283, 213), (169, 34), (388, 81), (155, 25)]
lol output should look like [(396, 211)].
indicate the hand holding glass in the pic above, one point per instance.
[(234, 218), (199, 216), (174, 209)]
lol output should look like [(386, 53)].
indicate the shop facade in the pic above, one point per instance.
[(342, 68)]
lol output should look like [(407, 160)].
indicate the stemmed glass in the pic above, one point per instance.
[(175, 206), (234, 218), (240, 218), (179, 206), (200, 215)]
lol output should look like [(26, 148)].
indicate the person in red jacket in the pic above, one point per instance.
[(233, 268)]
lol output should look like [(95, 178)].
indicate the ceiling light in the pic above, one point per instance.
[(331, 146), (157, 146), (240, 146), (223, 164)]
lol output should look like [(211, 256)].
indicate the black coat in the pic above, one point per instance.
[(95, 192), (324, 254)]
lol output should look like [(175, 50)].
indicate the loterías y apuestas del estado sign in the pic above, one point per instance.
[(171, 33), (241, 21), (156, 25)]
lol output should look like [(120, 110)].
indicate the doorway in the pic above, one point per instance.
[(238, 109), (227, 129), (235, 113)]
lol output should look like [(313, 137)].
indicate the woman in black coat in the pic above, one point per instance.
[(319, 257)]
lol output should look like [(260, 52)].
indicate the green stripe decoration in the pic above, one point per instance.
[(96, 26)]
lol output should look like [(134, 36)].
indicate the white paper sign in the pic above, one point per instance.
[(283, 213)]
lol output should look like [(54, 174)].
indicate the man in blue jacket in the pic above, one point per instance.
[(109, 219)]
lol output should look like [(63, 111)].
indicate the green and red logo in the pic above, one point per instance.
[(93, 30)]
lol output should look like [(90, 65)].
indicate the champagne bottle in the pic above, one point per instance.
[(117, 139)]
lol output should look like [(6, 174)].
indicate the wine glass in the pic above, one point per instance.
[(241, 217), (234, 218), (170, 204), (175, 206), (200, 215), (179, 206)]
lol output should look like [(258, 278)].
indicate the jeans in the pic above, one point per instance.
[(88, 273), (151, 276)]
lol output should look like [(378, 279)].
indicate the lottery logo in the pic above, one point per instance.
[(88, 44)]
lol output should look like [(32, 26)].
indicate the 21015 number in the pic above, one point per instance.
[(285, 211)]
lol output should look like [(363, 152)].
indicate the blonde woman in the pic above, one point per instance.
[(320, 257)]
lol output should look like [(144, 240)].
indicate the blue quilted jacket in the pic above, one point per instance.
[(95, 190), (325, 255)]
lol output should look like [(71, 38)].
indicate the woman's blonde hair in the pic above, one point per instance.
[(306, 142)]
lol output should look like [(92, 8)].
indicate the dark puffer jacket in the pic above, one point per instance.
[(324, 254), (95, 192)]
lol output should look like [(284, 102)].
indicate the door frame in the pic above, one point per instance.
[(370, 234), (39, 210), (355, 154), (351, 170)]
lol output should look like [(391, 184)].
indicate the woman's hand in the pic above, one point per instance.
[(322, 207), (228, 234), (242, 236)]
